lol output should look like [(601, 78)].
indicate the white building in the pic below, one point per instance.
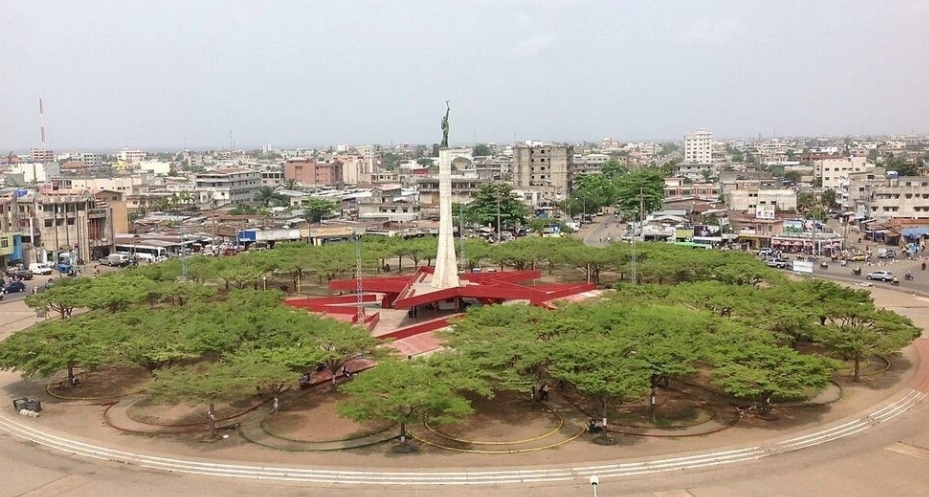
[(834, 172), (229, 185), (698, 147), (157, 167), (130, 156)]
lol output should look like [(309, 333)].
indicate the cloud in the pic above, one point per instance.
[(919, 7), (716, 33), (532, 45)]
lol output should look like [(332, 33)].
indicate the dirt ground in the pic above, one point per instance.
[(506, 417), (312, 417)]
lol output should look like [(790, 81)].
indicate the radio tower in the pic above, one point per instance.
[(359, 285), (44, 148)]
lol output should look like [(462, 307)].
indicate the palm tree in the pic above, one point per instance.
[(267, 195), (291, 184)]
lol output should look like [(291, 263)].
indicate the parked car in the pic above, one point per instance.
[(40, 268), (14, 287), (21, 275), (779, 263), (881, 275), (859, 257)]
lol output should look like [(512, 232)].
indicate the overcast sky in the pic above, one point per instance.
[(184, 73)]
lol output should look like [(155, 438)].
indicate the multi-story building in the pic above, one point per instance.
[(41, 156), (492, 168), (905, 197), (355, 168), (272, 178), (698, 147), (677, 189), (589, 164), (53, 223), (833, 172), (388, 203), (543, 167), (313, 174), (128, 185), (463, 189), (130, 156), (229, 186), (763, 203)]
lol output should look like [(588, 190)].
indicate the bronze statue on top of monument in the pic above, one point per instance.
[(448, 109)]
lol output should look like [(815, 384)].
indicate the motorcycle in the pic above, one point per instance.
[(856, 271), (895, 282), (908, 277), (843, 263), (824, 265)]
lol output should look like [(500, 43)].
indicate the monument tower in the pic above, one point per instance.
[(446, 263)]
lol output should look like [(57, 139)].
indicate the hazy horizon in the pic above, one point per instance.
[(173, 74)]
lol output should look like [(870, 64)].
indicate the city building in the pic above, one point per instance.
[(130, 156), (310, 173), (698, 147), (229, 186), (833, 172), (905, 197), (54, 225), (543, 167), (41, 156), (272, 178)]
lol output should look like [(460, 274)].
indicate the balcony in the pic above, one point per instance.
[(97, 213)]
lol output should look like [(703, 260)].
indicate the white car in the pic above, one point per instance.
[(881, 275)]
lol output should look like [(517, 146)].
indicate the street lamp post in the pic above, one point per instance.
[(594, 483)]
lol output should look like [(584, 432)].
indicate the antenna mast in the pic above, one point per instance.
[(359, 284), (35, 176)]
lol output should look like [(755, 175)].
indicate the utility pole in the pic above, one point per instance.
[(461, 237), (640, 225), (499, 233)]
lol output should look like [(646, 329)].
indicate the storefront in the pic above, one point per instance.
[(803, 245)]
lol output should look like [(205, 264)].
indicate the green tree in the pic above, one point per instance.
[(404, 392), (203, 384), (855, 332), (317, 207), (506, 345), (613, 169), (828, 198), (340, 342), (151, 338), (643, 188), (481, 150), (793, 176), (761, 372), (495, 201), (670, 339), (63, 297), (606, 368), (52, 346)]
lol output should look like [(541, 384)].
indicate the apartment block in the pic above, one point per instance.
[(543, 167), (698, 147), (833, 172), (310, 173), (229, 186)]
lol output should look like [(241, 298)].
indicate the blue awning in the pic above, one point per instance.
[(915, 232)]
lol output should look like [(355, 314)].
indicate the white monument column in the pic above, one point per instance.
[(446, 263)]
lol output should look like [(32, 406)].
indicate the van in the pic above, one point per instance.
[(40, 268), (117, 260)]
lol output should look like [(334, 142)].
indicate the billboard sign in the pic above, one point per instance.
[(793, 226), (706, 231), (803, 267), (764, 212)]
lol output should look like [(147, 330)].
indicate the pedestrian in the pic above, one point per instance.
[(543, 392)]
